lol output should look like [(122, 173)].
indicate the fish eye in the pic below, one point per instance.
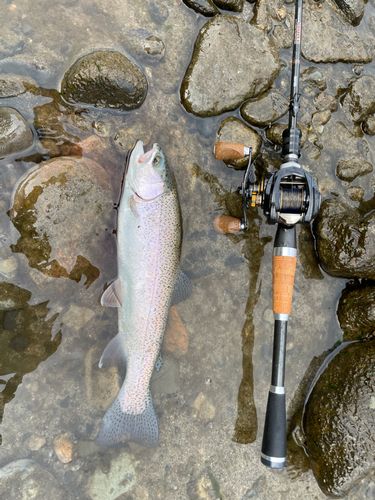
[(156, 161)]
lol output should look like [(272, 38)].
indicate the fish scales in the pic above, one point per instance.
[(148, 270), (148, 249)]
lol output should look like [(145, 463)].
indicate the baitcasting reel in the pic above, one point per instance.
[(288, 196)]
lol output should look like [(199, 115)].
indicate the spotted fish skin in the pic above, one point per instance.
[(148, 249)]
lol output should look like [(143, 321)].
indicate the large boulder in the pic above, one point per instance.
[(329, 37), (61, 209), (339, 420), (105, 79), (232, 61), (356, 313), (345, 240)]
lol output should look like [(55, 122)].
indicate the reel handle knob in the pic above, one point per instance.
[(229, 151), (226, 224)]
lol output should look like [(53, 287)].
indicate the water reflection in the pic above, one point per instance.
[(26, 338)]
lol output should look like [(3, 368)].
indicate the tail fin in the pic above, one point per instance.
[(118, 426)]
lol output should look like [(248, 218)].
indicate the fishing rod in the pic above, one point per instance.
[(288, 197)]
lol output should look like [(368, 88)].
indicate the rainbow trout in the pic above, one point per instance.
[(148, 255)]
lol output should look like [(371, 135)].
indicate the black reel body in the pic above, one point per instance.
[(288, 196)]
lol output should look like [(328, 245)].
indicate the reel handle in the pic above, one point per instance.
[(226, 224), (230, 151)]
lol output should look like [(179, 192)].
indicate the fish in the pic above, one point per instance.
[(149, 235)]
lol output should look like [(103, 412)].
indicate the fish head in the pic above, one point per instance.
[(148, 174)]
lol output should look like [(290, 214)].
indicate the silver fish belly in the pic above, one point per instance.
[(148, 246)]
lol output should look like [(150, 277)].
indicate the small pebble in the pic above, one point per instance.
[(35, 442), (8, 267), (63, 447)]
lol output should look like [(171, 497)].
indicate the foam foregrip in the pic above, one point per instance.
[(229, 151), (284, 269), (226, 224), (274, 435)]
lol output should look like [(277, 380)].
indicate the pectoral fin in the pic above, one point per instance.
[(112, 297), (182, 289)]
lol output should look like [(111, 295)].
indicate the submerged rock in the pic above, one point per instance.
[(60, 209), (339, 420), (356, 313), (154, 47), (27, 479), (349, 169), (15, 132), (14, 85), (232, 61), (105, 79), (205, 7), (265, 109), (345, 240), (359, 101), (329, 37), (312, 80), (368, 125), (323, 101), (234, 130)]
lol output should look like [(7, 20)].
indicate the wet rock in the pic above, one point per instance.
[(167, 379), (329, 37), (102, 385), (312, 80), (262, 17), (359, 101), (232, 61), (154, 46), (356, 313), (356, 193), (205, 7), (61, 209), (63, 447), (323, 101), (349, 169), (275, 133), (353, 10), (339, 420), (234, 130), (14, 85), (368, 125), (105, 79), (320, 118), (282, 36), (114, 483), (265, 109), (233, 5), (27, 479), (15, 132), (345, 240), (176, 340)]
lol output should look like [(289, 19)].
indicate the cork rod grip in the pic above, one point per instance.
[(229, 151), (284, 269), (226, 224)]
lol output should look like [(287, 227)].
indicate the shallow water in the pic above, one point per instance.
[(51, 387)]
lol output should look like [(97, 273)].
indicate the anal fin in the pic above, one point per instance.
[(113, 354)]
